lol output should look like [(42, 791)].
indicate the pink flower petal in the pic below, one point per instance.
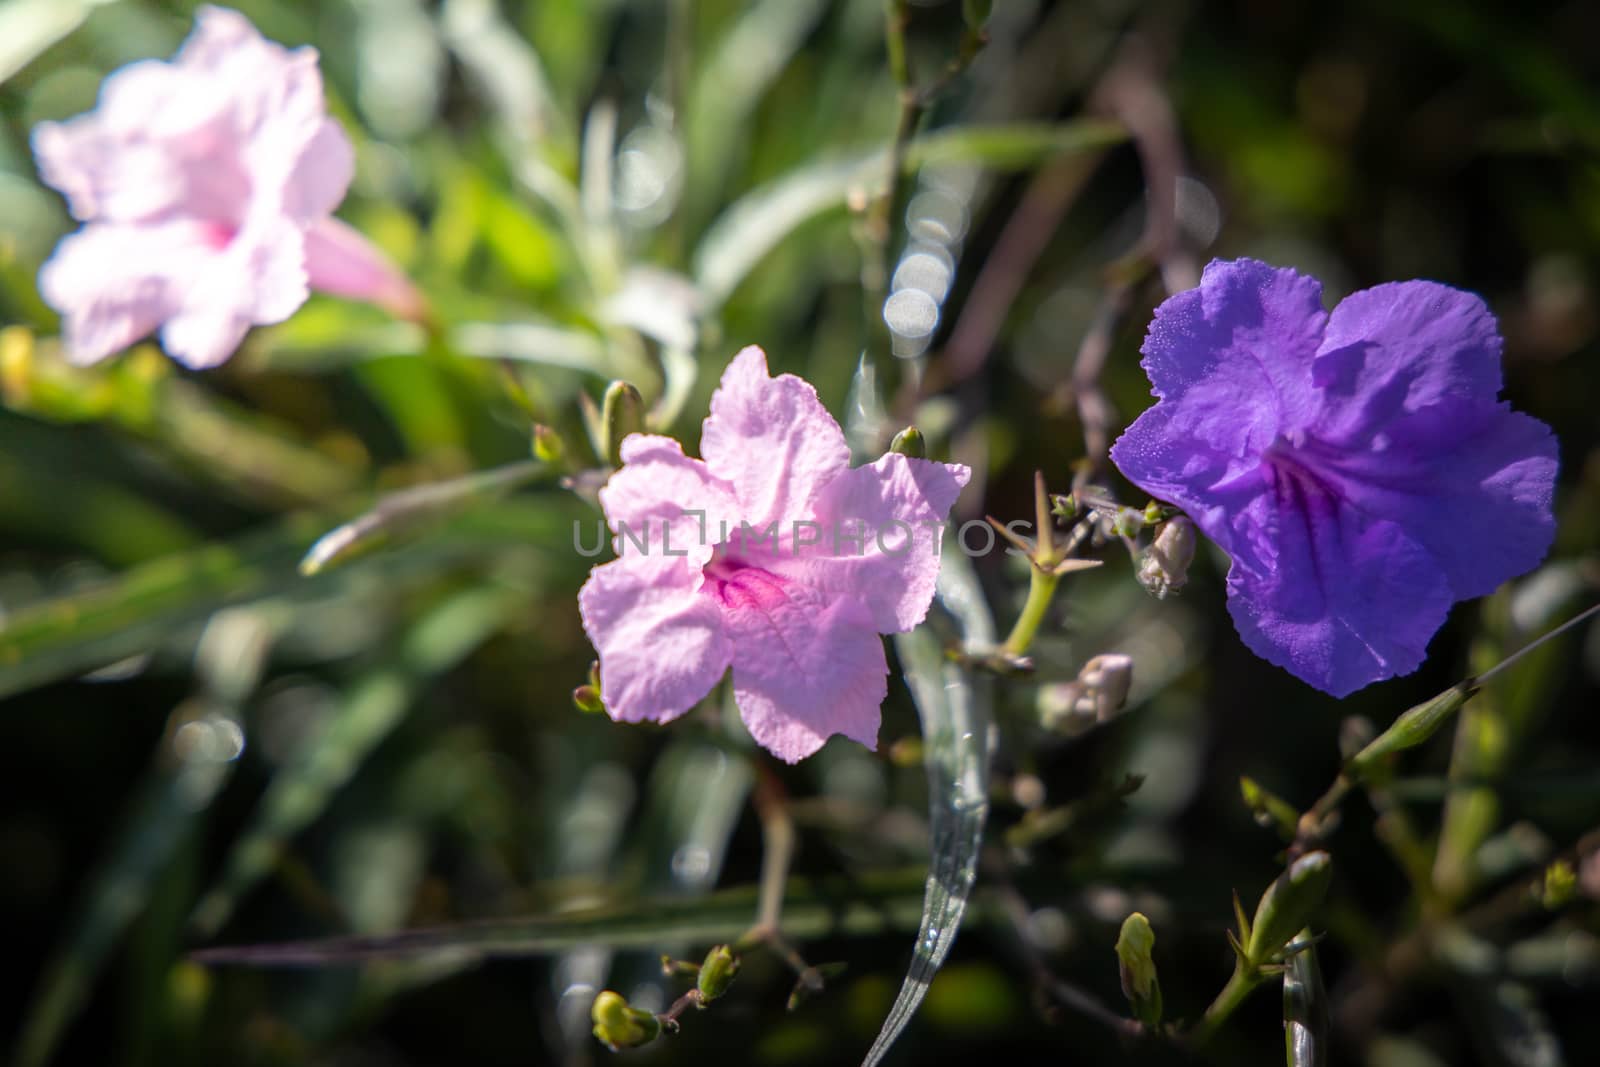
[(230, 142), (806, 665), (114, 284), (772, 439), (661, 643), (340, 260), (879, 530), (663, 504)]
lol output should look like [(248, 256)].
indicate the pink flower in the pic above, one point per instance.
[(770, 555), (206, 186)]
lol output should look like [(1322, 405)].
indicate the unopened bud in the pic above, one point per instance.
[(1288, 905), (1269, 809), (910, 442), (716, 973), (1095, 696), (622, 414), (1137, 968), (586, 698), (620, 1026), (1164, 566), (1560, 885), (547, 445)]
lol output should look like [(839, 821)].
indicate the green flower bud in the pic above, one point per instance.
[(1270, 809), (1413, 727), (909, 442), (1287, 905), (619, 1026), (1138, 969), (622, 414), (1560, 884), (716, 973), (586, 698), (547, 445)]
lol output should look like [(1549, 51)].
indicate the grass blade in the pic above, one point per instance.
[(953, 704)]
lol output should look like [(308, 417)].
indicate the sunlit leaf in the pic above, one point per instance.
[(753, 225), (954, 705), (812, 908)]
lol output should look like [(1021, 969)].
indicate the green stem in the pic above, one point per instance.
[(1041, 589), (1240, 986)]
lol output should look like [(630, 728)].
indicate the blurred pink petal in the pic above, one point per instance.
[(770, 555), (213, 177), (340, 260)]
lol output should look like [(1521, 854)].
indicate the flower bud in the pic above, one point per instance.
[(586, 698), (547, 445), (1288, 905), (1095, 696), (910, 442), (622, 414), (619, 1026), (1560, 885), (1164, 566), (1138, 969), (716, 973)]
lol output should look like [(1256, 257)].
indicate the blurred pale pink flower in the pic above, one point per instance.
[(770, 555), (206, 187)]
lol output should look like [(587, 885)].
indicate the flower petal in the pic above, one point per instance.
[(1346, 599), (1234, 355), (342, 261), (114, 284), (879, 531), (321, 175), (1398, 348), (662, 645), (1471, 481), (1210, 485), (663, 504), (257, 280), (772, 439), (806, 665)]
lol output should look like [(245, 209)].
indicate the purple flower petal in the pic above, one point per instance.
[(1359, 467), (1233, 356)]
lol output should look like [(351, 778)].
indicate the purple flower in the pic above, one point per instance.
[(771, 556), (1358, 466), (206, 187)]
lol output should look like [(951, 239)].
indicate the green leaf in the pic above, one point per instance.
[(402, 512), (28, 28), (954, 704), (373, 706), (743, 235), (812, 908)]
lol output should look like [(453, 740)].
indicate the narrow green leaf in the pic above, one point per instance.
[(812, 908), (373, 706), (953, 704), (402, 512), (743, 235), (30, 27)]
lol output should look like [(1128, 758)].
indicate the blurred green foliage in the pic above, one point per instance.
[(201, 745)]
